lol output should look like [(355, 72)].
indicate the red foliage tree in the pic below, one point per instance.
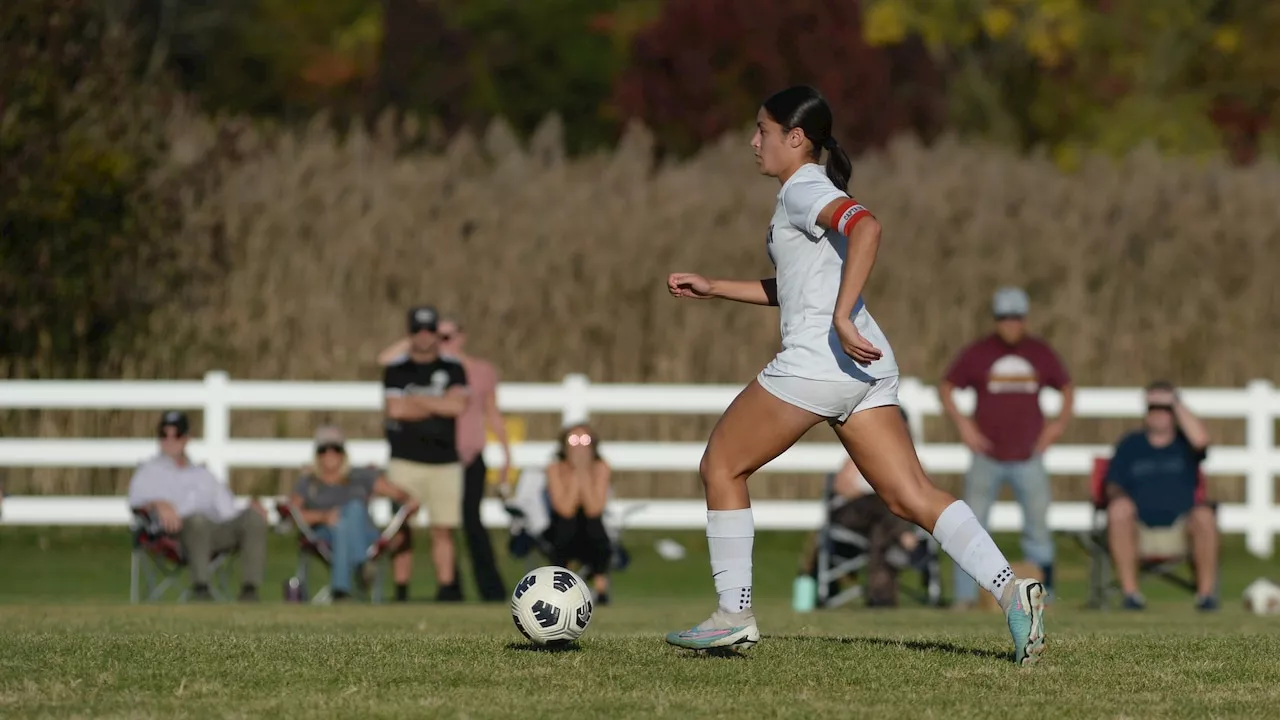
[(704, 67)]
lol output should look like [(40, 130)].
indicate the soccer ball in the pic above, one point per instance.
[(1262, 597), (551, 606)]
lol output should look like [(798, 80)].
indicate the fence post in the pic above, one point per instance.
[(575, 399), (217, 424), (1260, 438)]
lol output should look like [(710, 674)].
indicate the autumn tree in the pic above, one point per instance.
[(704, 67)]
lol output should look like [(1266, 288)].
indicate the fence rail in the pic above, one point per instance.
[(1258, 460)]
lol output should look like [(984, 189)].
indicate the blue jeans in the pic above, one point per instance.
[(349, 540), (1030, 484)]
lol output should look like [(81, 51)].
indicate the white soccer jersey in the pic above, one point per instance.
[(809, 261)]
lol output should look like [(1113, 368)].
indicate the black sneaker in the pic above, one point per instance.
[(449, 593), (1206, 603), (249, 593), (1133, 602)]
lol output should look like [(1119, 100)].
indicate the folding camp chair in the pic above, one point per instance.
[(1177, 568), (157, 562), (312, 546), (844, 553)]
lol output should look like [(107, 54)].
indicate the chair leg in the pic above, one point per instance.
[(379, 579), (1099, 570), (823, 561), (135, 570), (157, 578), (220, 588)]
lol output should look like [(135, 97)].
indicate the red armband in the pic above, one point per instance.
[(847, 214)]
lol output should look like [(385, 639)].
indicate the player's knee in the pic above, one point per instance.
[(715, 468)]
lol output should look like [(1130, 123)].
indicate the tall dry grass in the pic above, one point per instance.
[(1147, 267)]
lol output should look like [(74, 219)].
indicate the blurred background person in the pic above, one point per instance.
[(192, 504), (333, 498), (1008, 433), (892, 542), (1153, 483), (578, 488), (481, 413), (424, 394)]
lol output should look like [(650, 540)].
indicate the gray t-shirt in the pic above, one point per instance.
[(317, 495)]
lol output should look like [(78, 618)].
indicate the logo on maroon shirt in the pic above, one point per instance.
[(1012, 374)]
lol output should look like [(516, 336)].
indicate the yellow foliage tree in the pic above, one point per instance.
[(1067, 74)]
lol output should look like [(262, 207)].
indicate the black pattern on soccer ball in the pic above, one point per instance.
[(562, 580), (525, 584), (584, 615), (545, 613), (520, 627)]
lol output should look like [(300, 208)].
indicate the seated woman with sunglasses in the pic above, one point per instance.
[(578, 486), (333, 498)]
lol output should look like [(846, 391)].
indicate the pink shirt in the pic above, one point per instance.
[(482, 381)]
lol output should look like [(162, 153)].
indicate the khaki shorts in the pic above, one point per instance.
[(1163, 542), (437, 488)]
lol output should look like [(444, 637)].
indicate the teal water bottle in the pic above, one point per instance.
[(804, 593)]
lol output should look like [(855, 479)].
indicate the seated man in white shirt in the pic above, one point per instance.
[(192, 504)]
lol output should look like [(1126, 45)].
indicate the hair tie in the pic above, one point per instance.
[(829, 143)]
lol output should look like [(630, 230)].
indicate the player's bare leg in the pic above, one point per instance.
[(756, 428), (879, 444)]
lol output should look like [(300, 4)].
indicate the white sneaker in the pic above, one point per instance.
[(723, 629)]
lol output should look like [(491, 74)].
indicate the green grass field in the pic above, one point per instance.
[(71, 646)]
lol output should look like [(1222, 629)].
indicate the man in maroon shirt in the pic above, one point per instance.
[(1007, 433)]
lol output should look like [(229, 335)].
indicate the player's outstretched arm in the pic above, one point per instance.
[(692, 285)]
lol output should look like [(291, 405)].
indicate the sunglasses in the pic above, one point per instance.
[(330, 447), (1000, 318), (582, 440), (1155, 408)]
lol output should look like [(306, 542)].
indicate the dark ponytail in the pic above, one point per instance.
[(803, 107), (839, 166)]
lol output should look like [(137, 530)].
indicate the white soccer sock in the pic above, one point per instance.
[(730, 536), (964, 539)]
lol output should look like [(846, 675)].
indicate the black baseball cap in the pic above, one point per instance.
[(423, 317), (175, 419)]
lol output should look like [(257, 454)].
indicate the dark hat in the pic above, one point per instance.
[(175, 419), (423, 317)]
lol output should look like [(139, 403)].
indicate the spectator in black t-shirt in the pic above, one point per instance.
[(424, 394)]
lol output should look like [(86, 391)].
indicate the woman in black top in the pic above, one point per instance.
[(578, 487)]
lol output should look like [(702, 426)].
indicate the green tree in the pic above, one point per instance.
[(83, 229)]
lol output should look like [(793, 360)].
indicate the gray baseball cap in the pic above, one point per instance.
[(1010, 302)]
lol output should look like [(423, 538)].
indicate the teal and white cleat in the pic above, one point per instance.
[(1026, 621), (721, 630)]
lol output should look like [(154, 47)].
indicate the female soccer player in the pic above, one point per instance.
[(835, 365)]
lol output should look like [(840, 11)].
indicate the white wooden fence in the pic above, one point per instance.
[(1258, 460)]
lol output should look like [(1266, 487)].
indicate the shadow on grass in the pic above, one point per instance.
[(530, 647), (924, 646)]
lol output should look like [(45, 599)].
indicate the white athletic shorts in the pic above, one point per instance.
[(834, 400)]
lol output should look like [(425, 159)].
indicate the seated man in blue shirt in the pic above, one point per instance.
[(1153, 479)]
